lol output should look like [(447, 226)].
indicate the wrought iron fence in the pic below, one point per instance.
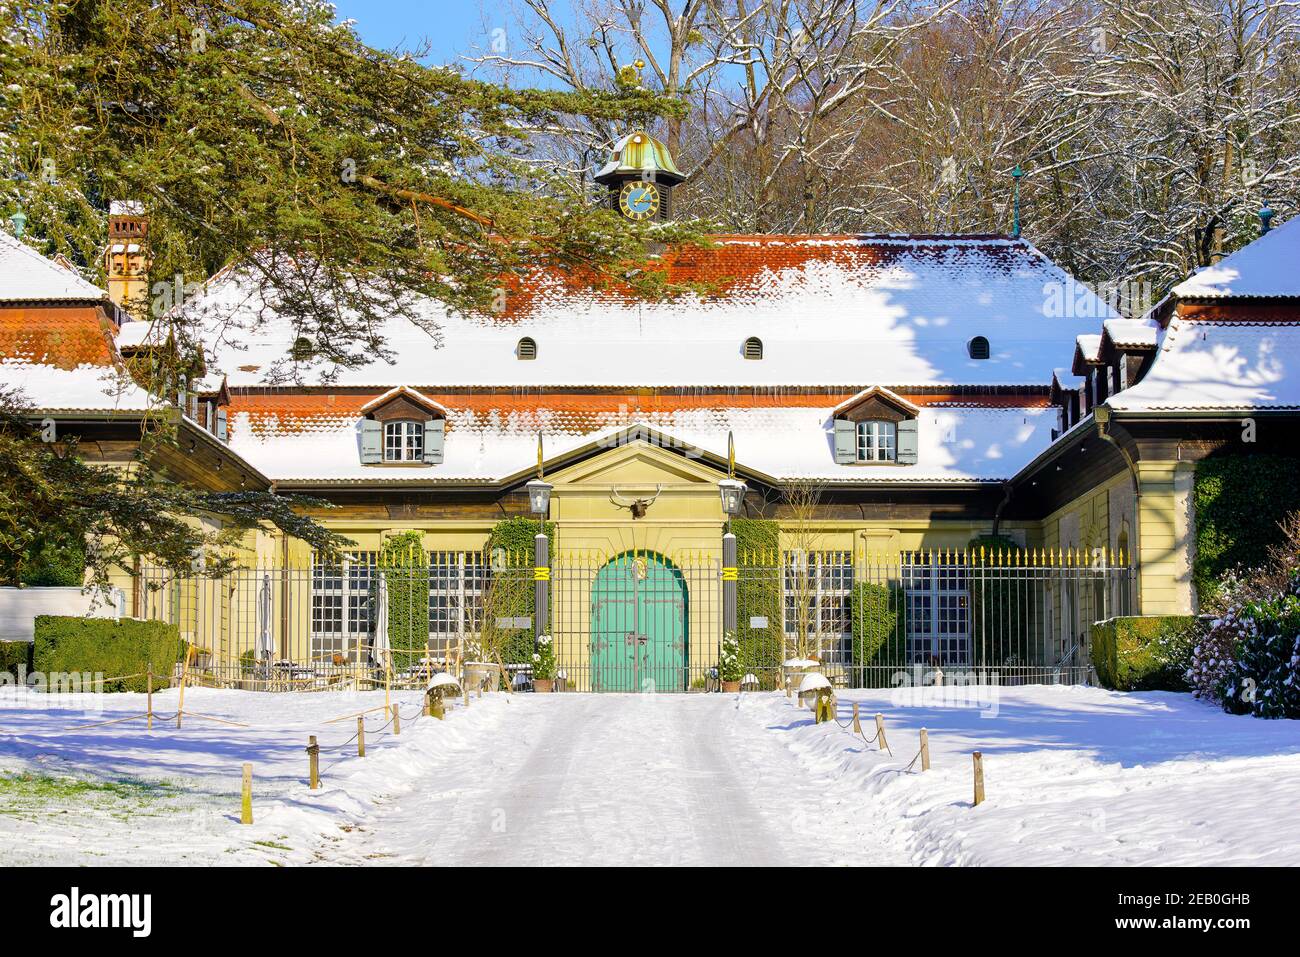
[(645, 621)]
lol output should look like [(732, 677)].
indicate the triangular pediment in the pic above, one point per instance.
[(638, 463)]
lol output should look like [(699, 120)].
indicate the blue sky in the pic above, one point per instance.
[(452, 27)]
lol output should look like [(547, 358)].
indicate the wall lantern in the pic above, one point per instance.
[(733, 495), (539, 496)]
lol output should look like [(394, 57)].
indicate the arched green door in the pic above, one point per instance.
[(638, 625)]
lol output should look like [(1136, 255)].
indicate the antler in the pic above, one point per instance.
[(624, 503)]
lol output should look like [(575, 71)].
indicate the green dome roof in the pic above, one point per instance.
[(637, 153)]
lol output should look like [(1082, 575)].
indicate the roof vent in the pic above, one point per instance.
[(753, 348), (303, 349), (527, 348), (978, 348)]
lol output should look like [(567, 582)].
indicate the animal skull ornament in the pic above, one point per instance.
[(638, 507)]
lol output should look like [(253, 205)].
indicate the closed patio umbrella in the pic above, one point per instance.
[(265, 649), (380, 650)]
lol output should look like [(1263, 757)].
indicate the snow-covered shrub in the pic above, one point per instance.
[(729, 666), (544, 658), (1248, 658)]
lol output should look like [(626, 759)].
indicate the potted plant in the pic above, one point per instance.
[(729, 670), (544, 664)]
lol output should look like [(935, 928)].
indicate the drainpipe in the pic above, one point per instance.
[(997, 515)]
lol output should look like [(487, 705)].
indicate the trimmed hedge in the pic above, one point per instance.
[(14, 656), (1143, 653), (1238, 502), (102, 646)]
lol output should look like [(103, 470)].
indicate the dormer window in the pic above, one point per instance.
[(753, 348), (402, 427), (978, 348), (877, 441), (527, 348), (876, 427), (404, 441)]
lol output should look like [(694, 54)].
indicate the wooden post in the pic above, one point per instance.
[(397, 720), (979, 778), (925, 750), (880, 733), (785, 679), (857, 724), (426, 705), (185, 671), (149, 693), (361, 737), (313, 762), (246, 810), (465, 689)]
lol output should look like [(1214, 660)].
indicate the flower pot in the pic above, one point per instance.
[(730, 687), (544, 685)]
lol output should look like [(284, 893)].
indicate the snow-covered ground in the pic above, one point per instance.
[(1073, 776)]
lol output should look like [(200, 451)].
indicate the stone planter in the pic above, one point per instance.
[(543, 685), (730, 687)]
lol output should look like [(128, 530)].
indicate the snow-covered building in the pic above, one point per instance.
[(906, 389)]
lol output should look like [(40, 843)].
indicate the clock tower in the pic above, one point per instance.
[(640, 175)]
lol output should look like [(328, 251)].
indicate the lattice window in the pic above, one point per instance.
[(877, 441), (341, 597), (457, 582), (816, 589), (936, 588), (404, 441)]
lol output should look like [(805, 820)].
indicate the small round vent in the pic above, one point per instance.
[(753, 348), (527, 348), (978, 348)]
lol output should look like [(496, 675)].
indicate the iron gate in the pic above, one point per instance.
[(647, 621)]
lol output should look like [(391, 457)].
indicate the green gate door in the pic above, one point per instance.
[(638, 625)]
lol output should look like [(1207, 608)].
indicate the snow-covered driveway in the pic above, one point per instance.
[(626, 779), (1073, 776)]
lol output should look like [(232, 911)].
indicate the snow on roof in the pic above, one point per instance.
[(27, 276), (957, 443), (86, 388), (125, 207), (1266, 267), (1089, 347), (830, 310), (1134, 333), (887, 394), (392, 393), (1219, 365)]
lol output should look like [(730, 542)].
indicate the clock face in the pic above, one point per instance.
[(638, 200)]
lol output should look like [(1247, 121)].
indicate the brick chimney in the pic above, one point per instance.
[(126, 261)]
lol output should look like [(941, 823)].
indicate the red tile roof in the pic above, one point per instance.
[(64, 337), (289, 412), (738, 263)]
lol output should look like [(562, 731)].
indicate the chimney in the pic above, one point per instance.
[(126, 261)]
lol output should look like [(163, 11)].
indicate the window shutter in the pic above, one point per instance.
[(372, 442), (435, 431), (221, 423), (907, 442), (846, 442)]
